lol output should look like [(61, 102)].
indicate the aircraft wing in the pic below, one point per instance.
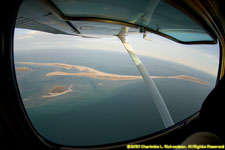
[(38, 15), (100, 18), (34, 15)]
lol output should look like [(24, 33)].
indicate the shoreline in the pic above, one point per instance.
[(93, 73), (23, 69), (50, 94)]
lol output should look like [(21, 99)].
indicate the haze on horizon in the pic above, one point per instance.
[(201, 57)]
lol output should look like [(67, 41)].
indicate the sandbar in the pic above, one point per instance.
[(93, 73), (97, 75), (58, 90), (23, 69)]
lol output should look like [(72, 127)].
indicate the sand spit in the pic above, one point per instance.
[(93, 73), (96, 75), (65, 66), (184, 77), (125, 77), (23, 69), (58, 90)]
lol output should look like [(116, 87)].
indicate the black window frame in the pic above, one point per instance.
[(19, 128)]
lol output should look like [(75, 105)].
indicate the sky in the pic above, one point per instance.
[(201, 57)]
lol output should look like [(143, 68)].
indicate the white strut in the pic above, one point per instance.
[(152, 88)]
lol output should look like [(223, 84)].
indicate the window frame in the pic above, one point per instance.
[(198, 20), (19, 125)]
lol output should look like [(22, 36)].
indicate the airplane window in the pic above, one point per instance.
[(83, 91), (154, 14)]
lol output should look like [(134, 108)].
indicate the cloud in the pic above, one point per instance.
[(29, 35)]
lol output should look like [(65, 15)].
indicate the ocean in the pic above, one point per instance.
[(101, 111)]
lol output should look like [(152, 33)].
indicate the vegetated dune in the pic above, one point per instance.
[(93, 73), (58, 90), (23, 69)]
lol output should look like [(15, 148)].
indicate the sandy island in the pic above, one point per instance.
[(24, 69), (93, 73), (58, 90)]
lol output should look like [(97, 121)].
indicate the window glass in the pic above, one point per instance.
[(86, 91), (157, 15)]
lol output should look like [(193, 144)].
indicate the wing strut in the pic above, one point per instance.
[(153, 90)]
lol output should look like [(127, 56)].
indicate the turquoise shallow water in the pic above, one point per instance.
[(103, 111)]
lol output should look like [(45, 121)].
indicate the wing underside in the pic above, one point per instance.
[(97, 19)]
